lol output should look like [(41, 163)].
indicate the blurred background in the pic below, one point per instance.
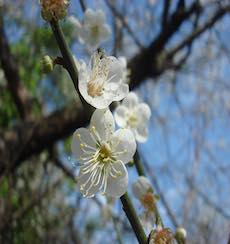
[(178, 56)]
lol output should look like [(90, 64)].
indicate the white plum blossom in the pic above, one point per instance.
[(133, 115), (93, 30), (141, 186), (101, 83), (143, 191), (102, 153)]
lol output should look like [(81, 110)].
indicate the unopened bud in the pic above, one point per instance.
[(54, 9), (47, 64), (181, 235), (161, 236)]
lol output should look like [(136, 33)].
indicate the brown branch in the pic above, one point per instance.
[(150, 59), (187, 41), (165, 13), (124, 22), (10, 68), (48, 130)]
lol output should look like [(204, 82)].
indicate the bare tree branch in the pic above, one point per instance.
[(10, 68)]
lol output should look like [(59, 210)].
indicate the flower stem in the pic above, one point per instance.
[(65, 51), (133, 218), (68, 60), (141, 172)]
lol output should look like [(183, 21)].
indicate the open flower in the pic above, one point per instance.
[(53, 9), (134, 115), (143, 191), (102, 153), (101, 83), (93, 30)]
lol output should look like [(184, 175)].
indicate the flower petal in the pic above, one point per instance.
[(141, 186), (75, 22), (131, 100), (115, 69), (124, 144), (121, 92), (143, 110), (81, 136), (120, 116), (89, 16), (87, 188), (105, 32), (141, 133), (99, 17), (103, 121), (116, 187)]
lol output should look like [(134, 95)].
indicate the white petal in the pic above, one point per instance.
[(87, 188), (105, 32), (116, 187), (143, 110), (121, 92), (141, 133), (103, 121), (124, 141), (141, 186), (84, 138), (131, 100), (120, 116), (89, 16), (123, 61), (75, 22), (99, 17), (115, 69)]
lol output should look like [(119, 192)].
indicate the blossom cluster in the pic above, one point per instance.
[(103, 149)]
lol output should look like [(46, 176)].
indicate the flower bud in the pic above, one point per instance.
[(160, 236), (53, 9), (47, 64), (180, 234)]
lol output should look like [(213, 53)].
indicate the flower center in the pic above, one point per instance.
[(95, 31), (132, 120), (105, 153), (148, 201), (94, 89)]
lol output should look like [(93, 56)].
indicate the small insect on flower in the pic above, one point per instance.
[(102, 153), (54, 9), (133, 115), (93, 30), (101, 82)]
